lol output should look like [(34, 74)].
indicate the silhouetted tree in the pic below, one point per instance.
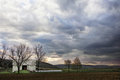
[(68, 63), (77, 64), (20, 54), (38, 50), (3, 55)]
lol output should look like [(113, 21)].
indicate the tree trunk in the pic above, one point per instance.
[(38, 64), (18, 69), (68, 68), (77, 68)]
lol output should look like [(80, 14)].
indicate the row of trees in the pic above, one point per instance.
[(21, 53), (75, 65)]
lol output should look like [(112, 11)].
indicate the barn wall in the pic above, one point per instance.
[(31, 68), (14, 68)]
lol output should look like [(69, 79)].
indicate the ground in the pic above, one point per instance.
[(63, 76), (87, 74)]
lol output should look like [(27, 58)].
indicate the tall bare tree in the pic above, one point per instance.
[(20, 54), (38, 49), (3, 54), (77, 64), (67, 63)]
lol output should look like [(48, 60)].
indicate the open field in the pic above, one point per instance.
[(92, 70), (63, 76)]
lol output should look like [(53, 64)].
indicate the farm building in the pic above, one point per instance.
[(28, 65), (32, 65)]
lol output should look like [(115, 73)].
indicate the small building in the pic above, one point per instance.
[(28, 65)]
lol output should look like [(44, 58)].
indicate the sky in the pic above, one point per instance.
[(88, 29)]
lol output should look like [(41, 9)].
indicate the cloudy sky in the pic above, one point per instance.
[(89, 29)]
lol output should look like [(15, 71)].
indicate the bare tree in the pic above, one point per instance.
[(68, 63), (3, 55), (38, 49), (20, 54), (77, 64)]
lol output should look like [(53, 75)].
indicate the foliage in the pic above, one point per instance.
[(7, 64)]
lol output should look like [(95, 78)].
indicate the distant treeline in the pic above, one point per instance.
[(5, 63), (63, 66)]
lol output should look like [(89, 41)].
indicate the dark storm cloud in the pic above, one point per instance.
[(109, 37), (110, 47)]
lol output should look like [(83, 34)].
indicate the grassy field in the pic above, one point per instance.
[(63, 76), (92, 70), (10, 72)]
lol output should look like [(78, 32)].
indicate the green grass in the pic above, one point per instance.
[(23, 71), (8, 72), (4, 72)]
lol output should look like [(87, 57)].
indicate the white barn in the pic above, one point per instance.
[(28, 65)]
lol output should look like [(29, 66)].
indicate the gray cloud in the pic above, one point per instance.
[(65, 27)]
